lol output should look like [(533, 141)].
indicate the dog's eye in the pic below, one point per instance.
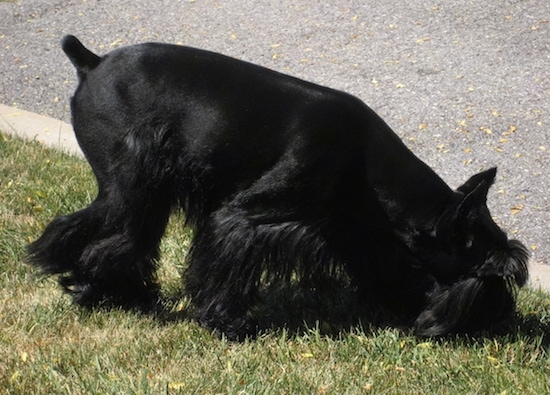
[(469, 242)]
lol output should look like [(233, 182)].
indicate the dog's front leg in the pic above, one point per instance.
[(223, 274)]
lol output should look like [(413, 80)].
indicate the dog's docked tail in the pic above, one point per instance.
[(81, 57)]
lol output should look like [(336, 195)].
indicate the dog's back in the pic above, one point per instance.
[(216, 103)]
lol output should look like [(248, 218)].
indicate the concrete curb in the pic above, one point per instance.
[(58, 134), (48, 131), (539, 276)]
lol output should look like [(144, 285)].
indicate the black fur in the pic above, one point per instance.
[(281, 180)]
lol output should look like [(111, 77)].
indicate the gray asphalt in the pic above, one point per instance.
[(465, 83)]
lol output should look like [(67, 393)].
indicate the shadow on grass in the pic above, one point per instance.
[(340, 312)]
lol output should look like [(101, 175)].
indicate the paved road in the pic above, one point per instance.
[(465, 83)]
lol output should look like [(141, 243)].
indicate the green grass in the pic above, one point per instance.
[(49, 346)]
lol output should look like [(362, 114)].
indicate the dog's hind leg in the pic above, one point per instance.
[(59, 247), (118, 265), (106, 253), (101, 256)]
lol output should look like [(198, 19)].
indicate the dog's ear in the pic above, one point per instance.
[(458, 228), (476, 197), (474, 192), (487, 176)]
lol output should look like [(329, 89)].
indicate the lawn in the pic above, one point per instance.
[(49, 346)]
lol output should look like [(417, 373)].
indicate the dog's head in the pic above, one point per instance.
[(467, 242), (476, 266)]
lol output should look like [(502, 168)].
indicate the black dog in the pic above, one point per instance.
[(281, 180)]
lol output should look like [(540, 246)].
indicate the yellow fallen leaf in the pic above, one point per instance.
[(323, 389), (15, 376), (116, 43), (180, 307), (516, 209), (176, 386), (492, 359)]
